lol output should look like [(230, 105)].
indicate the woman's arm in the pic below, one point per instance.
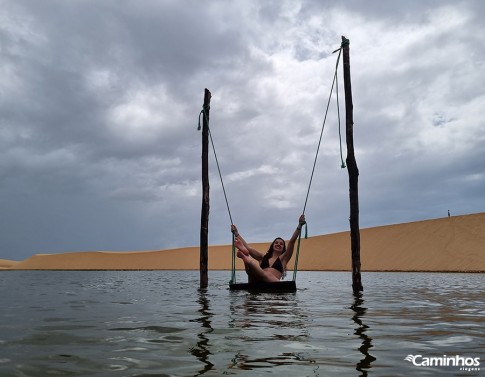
[(291, 243), (252, 251)]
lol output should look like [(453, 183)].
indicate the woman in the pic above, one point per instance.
[(269, 267)]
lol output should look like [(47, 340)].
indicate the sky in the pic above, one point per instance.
[(99, 105)]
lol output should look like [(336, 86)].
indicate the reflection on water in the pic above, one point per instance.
[(158, 323), (276, 323), (201, 351), (361, 330), (273, 310)]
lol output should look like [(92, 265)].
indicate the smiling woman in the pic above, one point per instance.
[(269, 267)]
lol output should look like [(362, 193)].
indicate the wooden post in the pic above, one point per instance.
[(353, 172), (204, 215)]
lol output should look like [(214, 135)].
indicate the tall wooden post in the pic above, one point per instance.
[(204, 215), (353, 171)]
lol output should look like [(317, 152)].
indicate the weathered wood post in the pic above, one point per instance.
[(352, 170), (204, 215)]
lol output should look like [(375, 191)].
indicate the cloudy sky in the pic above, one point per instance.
[(99, 103)]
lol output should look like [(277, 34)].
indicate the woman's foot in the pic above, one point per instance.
[(246, 258), (240, 246), (242, 252)]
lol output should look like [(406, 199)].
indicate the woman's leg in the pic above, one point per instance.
[(254, 271)]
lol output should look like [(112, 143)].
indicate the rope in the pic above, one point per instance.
[(321, 132), (295, 268), (339, 126), (233, 273), (203, 111), (334, 83)]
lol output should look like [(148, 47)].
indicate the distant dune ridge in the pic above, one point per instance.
[(452, 244)]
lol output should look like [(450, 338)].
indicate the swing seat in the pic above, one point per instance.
[(256, 287)]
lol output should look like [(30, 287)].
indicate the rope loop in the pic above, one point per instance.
[(203, 111), (198, 126)]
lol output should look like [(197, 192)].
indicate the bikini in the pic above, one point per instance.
[(277, 265)]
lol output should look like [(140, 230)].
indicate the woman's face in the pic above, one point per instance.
[(279, 245)]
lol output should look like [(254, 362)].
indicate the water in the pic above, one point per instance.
[(158, 323)]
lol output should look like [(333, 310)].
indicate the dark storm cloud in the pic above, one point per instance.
[(99, 104)]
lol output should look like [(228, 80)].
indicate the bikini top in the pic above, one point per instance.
[(277, 265)]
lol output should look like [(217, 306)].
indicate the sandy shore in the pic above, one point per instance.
[(455, 244)]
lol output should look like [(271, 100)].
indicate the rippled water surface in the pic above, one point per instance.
[(158, 323)]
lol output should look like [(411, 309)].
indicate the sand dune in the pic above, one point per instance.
[(447, 244), (6, 264)]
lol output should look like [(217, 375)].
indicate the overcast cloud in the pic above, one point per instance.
[(99, 102)]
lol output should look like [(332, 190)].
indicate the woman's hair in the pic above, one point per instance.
[(269, 253)]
